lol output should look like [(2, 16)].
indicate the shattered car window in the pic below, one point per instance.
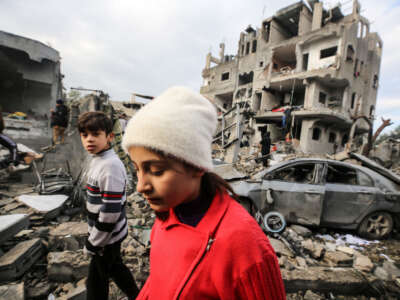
[(300, 173), (364, 179), (341, 174)]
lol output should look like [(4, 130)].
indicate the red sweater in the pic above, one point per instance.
[(226, 256)]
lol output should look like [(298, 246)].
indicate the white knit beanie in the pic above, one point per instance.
[(179, 122)]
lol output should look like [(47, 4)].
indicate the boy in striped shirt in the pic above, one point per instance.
[(106, 181)]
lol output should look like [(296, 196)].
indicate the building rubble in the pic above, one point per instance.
[(309, 76)]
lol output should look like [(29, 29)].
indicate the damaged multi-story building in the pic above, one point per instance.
[(30, 76), (309, 75)]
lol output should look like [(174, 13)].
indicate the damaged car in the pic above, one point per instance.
[(324, 193)]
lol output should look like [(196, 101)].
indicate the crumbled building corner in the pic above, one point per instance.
[(310, 80)]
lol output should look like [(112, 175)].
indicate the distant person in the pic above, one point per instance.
[(204, 244), (265, 146), (7, 142), (108, 227), (123, 121), (59, 121)]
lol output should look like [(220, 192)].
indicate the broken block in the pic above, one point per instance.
[(68, 236), (12, 291), (48, 205), (10, 225), (19, 259), (67, 266)]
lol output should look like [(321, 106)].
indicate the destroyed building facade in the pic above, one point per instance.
[(30, 76), (309, 75)]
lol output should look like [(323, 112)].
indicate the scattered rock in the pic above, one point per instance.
[(338, 259), (301, 230), (363, 263)]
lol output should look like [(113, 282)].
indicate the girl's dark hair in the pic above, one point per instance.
[(94, 121), (1, 121)]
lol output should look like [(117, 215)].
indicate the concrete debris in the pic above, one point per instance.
[(67, 266), (10, 225), (19, 259), (302, 86), (48, 205), (12, 291)]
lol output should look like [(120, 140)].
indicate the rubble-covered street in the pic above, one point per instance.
[(295, 139)]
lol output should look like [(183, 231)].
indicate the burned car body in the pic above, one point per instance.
[(328, 193)]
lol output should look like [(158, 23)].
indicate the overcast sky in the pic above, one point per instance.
[(126, 46)]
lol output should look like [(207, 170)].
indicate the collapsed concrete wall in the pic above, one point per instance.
[(30, 77), (306, 75)]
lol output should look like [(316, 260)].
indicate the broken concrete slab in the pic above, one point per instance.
[(338, 259), (12, 292), (76, 293), (19, 259), (280, 248), (68, 236), (301, 230), (67, 266), (392, 270), (363, 263), (342, 281), (48, 205), (10, 225)]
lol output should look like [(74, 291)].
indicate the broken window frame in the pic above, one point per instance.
[(294, 173), (332, 137), (254, 46), (342, 178), (322, 98), (316, 134), (225, 76), (328, 52)]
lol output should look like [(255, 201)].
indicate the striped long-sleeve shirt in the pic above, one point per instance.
[(106, 183)]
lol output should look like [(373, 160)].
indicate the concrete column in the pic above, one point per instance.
[(268, 101), (317, 16)]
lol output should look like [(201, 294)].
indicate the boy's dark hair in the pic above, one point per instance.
[(94, 121)]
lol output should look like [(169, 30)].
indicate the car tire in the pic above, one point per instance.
[(274, 222), (376, 226)]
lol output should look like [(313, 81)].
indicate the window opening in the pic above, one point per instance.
[(254, 46), (247, 48), (225, 76), (332, 137), (266, 31), (305, 62), (350, 53), (328, 52), (371, 111), (364, 179), (341, 175), (322, 98), (353, 100), (245, 78), (302, 173), (316, 134), (345, 139), (375, 82), (261, 64)]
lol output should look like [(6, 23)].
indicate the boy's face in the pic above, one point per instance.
[(96, 141), (165, 183)]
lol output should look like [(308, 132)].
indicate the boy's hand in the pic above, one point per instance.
[(87, 252)]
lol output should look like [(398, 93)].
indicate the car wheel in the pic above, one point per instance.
[(274, 222), (377, 225)]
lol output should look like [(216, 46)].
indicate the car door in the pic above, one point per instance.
[(296, 192), (348, 194)]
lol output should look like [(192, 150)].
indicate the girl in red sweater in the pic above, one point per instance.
[(204, 244)]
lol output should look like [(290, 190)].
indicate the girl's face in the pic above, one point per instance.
[(164, 182)]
